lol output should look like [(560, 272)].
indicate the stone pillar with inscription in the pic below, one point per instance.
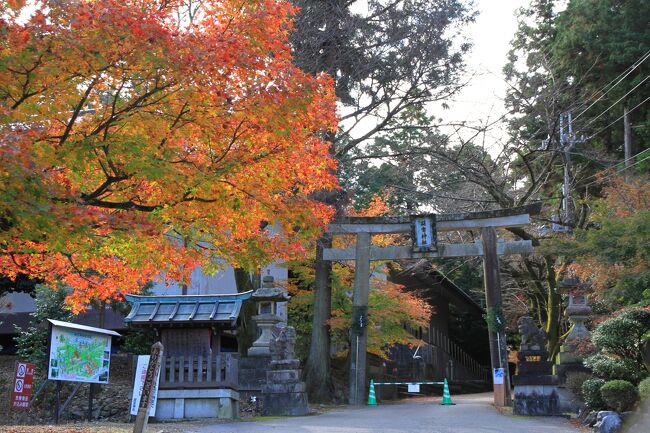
[(535, 386)]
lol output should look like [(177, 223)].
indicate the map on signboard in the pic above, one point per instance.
[(79, 356)]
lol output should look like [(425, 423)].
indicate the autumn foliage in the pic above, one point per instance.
[(140, 137), (613, 254)]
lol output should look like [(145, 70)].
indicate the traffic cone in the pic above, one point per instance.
[(446, 396), (372, 401)]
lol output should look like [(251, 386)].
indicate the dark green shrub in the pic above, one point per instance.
[(591, 393), (138, 341), (619, 395), (622, 335), (574, 381), (644, 389), (610, 368)]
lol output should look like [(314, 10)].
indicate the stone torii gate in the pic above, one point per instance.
[(423, 230)]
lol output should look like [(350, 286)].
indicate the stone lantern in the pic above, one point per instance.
[(266, 299), (569, 359), (577, 312)]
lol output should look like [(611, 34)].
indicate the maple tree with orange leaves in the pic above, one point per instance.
[(613, 254), (139, 139)]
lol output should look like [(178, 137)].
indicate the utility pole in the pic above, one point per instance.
[(567, 144), (627, 143)]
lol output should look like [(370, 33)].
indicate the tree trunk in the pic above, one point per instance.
[(317, 371), (246, 334), (553, 309)]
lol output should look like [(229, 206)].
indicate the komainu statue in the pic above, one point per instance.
[(532, 338)]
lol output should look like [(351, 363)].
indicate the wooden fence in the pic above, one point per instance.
[(211, 371)]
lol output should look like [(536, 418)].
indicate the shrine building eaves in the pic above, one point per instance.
[(185, 309)]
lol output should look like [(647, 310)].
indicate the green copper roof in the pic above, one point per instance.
[(185, 309)]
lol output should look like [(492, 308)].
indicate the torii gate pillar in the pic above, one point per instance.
[(359, 328), (493, 304)]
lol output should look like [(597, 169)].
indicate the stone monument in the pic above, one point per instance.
[(535, 385), (284, 393)]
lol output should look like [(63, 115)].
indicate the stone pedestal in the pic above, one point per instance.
[(284, 393), (197, 403), (536, 392), (252, 378)]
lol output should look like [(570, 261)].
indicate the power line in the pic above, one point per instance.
[(617, 101), (629, 111), (620, 78), (619, 170)]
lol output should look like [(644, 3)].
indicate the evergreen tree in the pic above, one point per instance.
[(32, 342)]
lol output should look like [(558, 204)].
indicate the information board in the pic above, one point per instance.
[(138, 386), (79, 353), (22, 389)]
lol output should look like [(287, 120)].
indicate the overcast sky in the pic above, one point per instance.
[(491, 35)]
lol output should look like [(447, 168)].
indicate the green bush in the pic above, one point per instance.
[(32, 342), (610, 368), (621, 335), (591, 393), (619, 395), (138, 341), (644, 389), (574, 381)]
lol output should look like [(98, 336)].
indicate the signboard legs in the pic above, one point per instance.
[(155, 361), (57, 406), (91, 396)]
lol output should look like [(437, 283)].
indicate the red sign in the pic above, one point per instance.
[(22, 390)]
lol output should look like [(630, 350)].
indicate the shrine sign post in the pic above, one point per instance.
[(423, 230)]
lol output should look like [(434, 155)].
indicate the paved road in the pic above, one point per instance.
[(471, 414)]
